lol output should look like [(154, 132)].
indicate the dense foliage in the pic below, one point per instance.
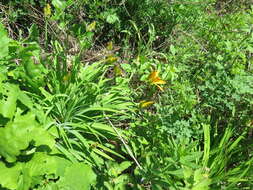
[(135, 94)]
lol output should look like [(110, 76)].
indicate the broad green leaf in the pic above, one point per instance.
[(41, 164), (25, 180), (33, 171), (115, 169), (112, 18), (202, 185), (179, 173), (59, 4), (8, 102), (173, 50), (124, 165), (49, 186), (17, 135), (201, 180), (24, 99), (62, 164), (187, 172), (4, 42), (26, 175), (79, 176), (42, 137), (121, 181), (9, 176)]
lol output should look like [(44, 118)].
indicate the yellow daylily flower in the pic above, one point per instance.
[(154, 79), (144, 103), (47, 10)]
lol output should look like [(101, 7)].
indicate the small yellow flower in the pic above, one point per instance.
[(91, 26), (109, 46), (154, 79), (66, 77), (118, 70), (111, 59), (144, 103), (47, 10)]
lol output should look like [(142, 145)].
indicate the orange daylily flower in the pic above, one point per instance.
[(156, 80)]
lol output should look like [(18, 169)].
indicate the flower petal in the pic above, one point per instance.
[(159, 81), (153, 75), (160, 88), (144, 103)]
